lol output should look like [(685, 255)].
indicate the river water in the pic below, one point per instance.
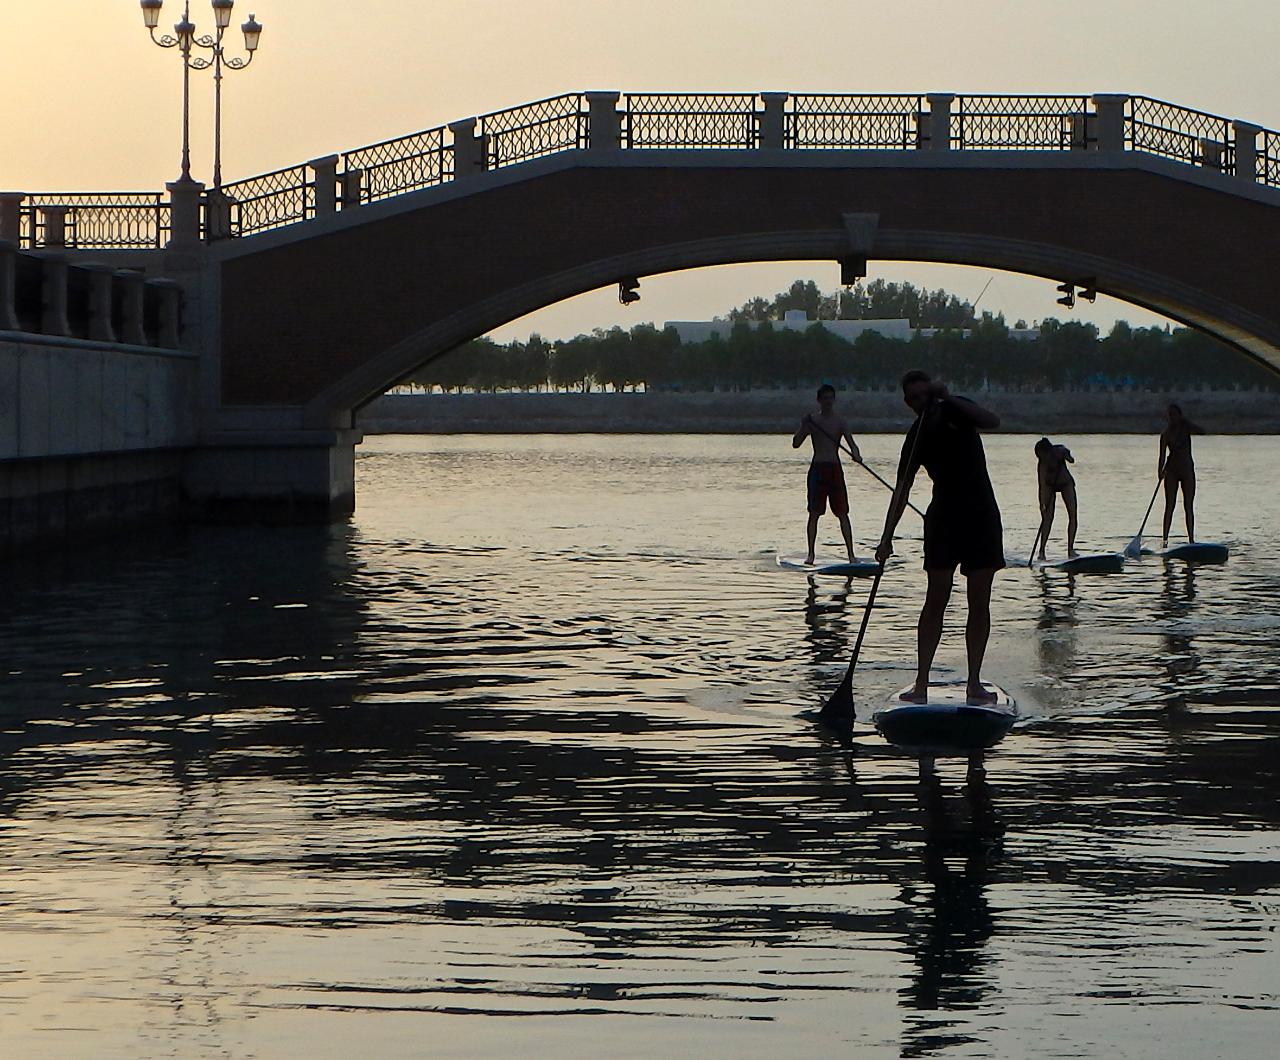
[(516, 760)]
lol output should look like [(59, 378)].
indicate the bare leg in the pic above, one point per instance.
[(1048, 502), (812, 530), (1189, 505), (976, 632), (1170, 499), (846, 528), (1073, 518), (929, 632)]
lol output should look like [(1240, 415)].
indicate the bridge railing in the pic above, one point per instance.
[(403, 164), (891, 122), (103, 220), (1171, 131), (646, 121), (534, 130), (1022, 123), (714, 120)]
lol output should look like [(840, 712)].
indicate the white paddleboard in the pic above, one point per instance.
[(1085, 563), (947, 724), (862, 568), (1199, 552)]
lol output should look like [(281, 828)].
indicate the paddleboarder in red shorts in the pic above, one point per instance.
[(826, 476)]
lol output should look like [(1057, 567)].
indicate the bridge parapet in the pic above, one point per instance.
[(610, 121)]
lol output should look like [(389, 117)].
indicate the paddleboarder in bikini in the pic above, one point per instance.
[(962, 525), (1178, 469), (1055, 477), (826, 476)]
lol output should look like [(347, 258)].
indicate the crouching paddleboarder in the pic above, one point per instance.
[(962, 526)]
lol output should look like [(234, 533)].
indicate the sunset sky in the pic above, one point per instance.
[(88, 103)]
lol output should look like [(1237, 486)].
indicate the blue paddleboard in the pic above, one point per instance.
[(1199, 552), (1086, 563), (946, 724), (863, 568)]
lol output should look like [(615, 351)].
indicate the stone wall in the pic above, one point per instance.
[(92, 436), (1081, 412)]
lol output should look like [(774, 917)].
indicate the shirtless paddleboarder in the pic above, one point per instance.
[(1177, 469), (962, 526), (826, 476)]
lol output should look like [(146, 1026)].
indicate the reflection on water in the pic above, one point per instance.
[(384, 787)]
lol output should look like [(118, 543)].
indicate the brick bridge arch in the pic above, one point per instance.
[(322, 317)]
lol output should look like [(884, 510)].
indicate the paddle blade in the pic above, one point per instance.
[(838, 709), (1133, 550)]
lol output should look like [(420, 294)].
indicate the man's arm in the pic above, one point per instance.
[(854, 451), (1066, 454), (982, 418), (806, 425), (907, 469)]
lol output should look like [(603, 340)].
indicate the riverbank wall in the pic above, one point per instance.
[(763, 412)]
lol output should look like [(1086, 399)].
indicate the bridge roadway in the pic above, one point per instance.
[(311, 290)]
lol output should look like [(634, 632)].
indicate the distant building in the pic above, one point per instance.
[(693, 331)]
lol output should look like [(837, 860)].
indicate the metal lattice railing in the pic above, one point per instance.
[(109, 221), (725, 120), (268, 201), (1160, 128), (1269, 157), (406, 163), (1023, 123), (891, 122), (744, 121), (535, 130)]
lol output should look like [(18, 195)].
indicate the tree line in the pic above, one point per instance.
[(1068, 355)]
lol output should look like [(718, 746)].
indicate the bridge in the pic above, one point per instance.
[(309, 290)]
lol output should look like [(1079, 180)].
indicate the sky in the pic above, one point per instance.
[(88, 103)]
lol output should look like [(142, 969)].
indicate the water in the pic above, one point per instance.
[(514, 761)]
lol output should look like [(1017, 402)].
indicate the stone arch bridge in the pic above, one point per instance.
[(310, 290)]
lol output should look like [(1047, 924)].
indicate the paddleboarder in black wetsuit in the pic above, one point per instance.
[(1178, 469), (961, 527), (1055, 477)]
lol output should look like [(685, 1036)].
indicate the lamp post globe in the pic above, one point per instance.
[(252, 31), (222, 12), (151, 13)]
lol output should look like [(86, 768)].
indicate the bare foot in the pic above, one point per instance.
[(1040, 558), (918, 694), (808, 560), (1072, 553), (979, 696), (853, 558)]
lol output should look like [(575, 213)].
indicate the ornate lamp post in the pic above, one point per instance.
[(184, 39)]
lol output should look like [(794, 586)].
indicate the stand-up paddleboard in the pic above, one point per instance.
[(946, 725), (1085, 563), (863, 568), (1199, 552)]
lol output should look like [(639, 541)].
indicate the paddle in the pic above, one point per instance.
[(838, 710), (862, 464), (1032, 558), (1134, 548)]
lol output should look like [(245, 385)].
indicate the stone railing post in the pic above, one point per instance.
[(1109, 111), (468, 149), (184, 213), (604, 123), (133, 329), (169, 332), (326, 181), (352, 188), (940, 120), (217, 215), (100, 302), (8, 280), (53, 295), (1246, 150), (55, 226), (1210, 155), (773, 121), (11, 216)]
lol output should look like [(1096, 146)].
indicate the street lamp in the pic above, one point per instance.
[(184, 39)]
